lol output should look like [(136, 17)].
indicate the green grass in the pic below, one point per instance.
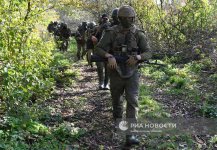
[(148, 107), (184, 82)]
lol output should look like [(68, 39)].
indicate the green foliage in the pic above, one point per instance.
[(26, 55), (180, 78), (204, 64), (170, 77), (177, 81), (16, 132), (171, 26), (63, 73), (148, 106), (213, 139), (48, 143), (22, 135), (213, 77), (27, 71), (68, 132), (168, 142), (60, 61), (167, 145), (16, 124), (209, 111), (196, 67)]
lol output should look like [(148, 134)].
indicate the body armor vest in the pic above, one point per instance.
[(125, 43)]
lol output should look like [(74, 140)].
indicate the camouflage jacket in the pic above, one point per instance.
[(133, 38)]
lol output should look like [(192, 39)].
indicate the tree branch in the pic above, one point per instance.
[(28, 11)]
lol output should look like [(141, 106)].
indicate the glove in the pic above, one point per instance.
[(112, 64), (132, 60)]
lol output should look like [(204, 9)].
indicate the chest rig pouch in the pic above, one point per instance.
[(125, 43)]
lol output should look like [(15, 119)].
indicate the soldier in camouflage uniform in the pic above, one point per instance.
[(91, 40), (80, 40), (61, 34), (124, 39), (101, 66), (64, 34), (114, 16)]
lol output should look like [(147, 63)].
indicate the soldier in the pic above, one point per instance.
[(124, 39), (61, 34), (91, 40), (64, 35), (103, 25), (114, 16), (101, 66), (80, 40)]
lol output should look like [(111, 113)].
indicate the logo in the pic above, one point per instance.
[(123, 125)]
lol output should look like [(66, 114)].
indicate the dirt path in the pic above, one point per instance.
[(90, 109), (95, 116)]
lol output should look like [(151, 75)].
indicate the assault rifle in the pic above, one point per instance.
[(121, 59)]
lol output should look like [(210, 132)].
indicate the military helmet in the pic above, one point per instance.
[(84, 23), (115, 12), (104, 16), (63, 25), (126, 11), (91, 25)]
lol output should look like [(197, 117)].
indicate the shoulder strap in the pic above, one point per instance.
[(137, 34)]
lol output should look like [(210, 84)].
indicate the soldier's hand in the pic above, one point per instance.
[(131, 61), (112, 64)]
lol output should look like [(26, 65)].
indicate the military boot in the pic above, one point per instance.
[(106, 78), (101, 85), (106, 87), (131, 140)]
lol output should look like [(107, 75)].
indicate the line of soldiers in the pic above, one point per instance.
[(61, 34), (107, 40), (111, 39), (87, 36)]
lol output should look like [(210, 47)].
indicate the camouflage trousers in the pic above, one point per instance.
[(129, 86), (102, 73), (62, 43), (80, 51)]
